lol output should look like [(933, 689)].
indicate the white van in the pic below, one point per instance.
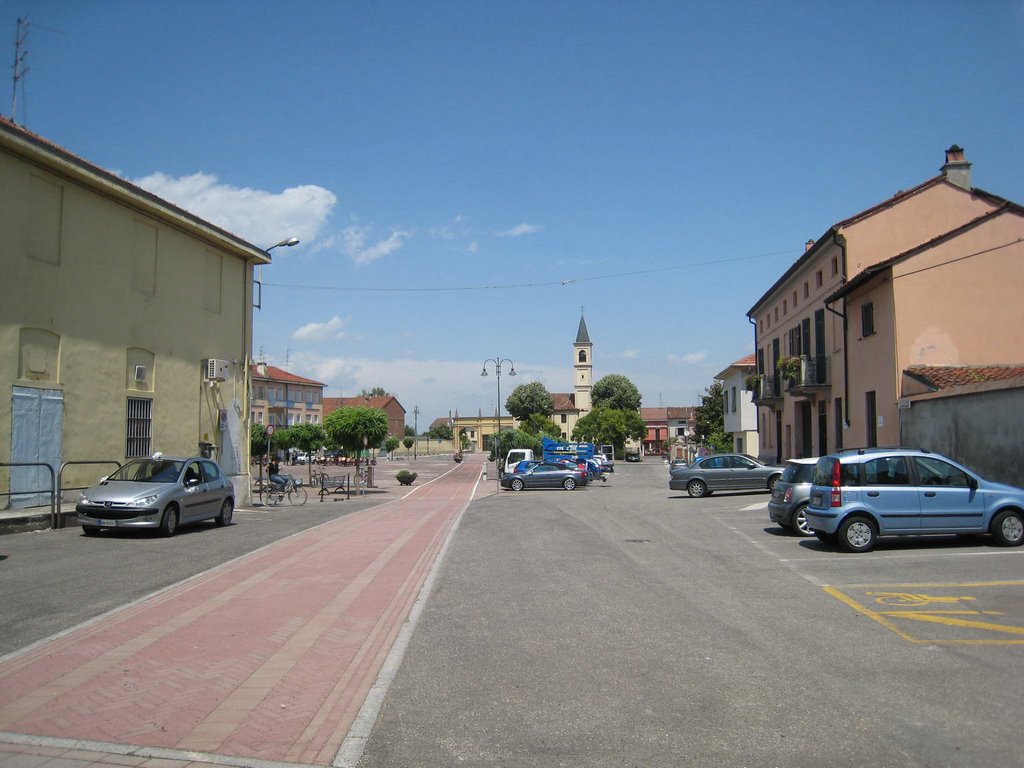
[(515, 456)]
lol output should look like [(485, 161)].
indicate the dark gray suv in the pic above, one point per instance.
[(860, 495)]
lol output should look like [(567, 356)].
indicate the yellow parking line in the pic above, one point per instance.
[(965, 623), (869, 613)]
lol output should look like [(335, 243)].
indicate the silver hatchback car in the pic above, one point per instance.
[(788, 504), (157, 492)]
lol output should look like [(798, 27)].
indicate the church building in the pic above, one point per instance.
[(569, 407)]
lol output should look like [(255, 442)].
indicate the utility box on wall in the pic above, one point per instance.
[(215, 370)]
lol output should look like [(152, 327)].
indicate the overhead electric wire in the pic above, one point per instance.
[(510, 286)]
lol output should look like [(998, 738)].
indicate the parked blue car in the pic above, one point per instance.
[(857, 496)]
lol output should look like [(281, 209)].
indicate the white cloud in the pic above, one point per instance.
[(691, 359), (332, 329), (518, 231), (261, 217), (355, 237), (630, 354)]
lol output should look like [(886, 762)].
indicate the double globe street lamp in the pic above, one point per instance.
[(497, 362)]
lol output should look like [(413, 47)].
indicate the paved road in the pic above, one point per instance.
[(268, 657), (620, 625), (627, 625)]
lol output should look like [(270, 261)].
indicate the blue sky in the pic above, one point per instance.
[(465, 176)]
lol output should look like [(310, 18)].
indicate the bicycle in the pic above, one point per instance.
[(273, 495)]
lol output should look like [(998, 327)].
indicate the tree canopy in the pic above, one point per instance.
[(440, 432), (611, 426), (709, 420), (374, 392), (347, 427), (540, 425), (527, 399), (617, 392)]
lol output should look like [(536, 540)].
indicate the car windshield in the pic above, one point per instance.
[(149, 471), (798, 473)]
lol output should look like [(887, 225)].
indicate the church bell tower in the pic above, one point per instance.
[(583, 369)]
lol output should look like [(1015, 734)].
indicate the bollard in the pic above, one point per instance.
[(484, 477)]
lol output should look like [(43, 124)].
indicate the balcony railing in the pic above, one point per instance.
[(814, 372)]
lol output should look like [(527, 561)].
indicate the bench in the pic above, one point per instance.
[(333, 484)]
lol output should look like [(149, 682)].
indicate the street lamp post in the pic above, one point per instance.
[(416, 431), (288, 243), (497, 362)]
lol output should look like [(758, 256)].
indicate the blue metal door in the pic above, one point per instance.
[(37, 426)]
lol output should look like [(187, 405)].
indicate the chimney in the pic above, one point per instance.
[(957, 170), (808, 245)]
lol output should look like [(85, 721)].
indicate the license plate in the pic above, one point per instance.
[(107, 523)]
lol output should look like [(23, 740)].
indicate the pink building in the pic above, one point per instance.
[(928, 277)]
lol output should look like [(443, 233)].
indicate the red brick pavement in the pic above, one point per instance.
[(267, 657)]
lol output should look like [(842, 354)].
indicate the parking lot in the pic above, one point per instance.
[(932, 590), (627, 624)]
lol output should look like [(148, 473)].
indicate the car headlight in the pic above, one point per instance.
[(83, 498), (144, 501)]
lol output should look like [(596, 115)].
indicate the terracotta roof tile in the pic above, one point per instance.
[(948, 376), (563, 401), (274, 373)]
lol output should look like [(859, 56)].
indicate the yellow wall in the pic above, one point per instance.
[(117, 285)]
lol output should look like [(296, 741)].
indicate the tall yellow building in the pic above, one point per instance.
[(125, 326)]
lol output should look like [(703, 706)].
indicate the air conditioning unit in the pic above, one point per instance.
[(216, 370)]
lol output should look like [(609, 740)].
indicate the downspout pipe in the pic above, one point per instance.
[(840, 242)]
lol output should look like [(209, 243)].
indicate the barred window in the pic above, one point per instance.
[(140, 427)]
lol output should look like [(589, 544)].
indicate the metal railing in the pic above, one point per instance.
[(52, 490), (56, 489), (56, 521)]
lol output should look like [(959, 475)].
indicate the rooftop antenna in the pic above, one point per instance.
[(20, 68)]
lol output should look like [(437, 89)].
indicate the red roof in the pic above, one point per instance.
[(279, 374), (940, 377), (334, 403), (563, 401)]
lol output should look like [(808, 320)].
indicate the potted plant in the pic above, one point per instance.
[(790, 367), (753, 382), (405, 477)]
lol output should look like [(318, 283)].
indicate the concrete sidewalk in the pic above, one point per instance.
[(265, 660)]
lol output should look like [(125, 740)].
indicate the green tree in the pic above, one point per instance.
[(440, 432), (374, 392), (610, 426), (517, 438), (257, 440), (539, 424), (617, 392), (409, 431), (282, 439), (391, 444), (308, 438), (408, 442), (527, 399), (353, 427), (709, 420)]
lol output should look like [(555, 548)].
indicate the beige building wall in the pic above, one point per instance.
[(115, 294), (887, 230)]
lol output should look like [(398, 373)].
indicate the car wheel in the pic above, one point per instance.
[(800, 526), (226, 510), (826, 538), (568, 483), (1008, 528), (91, 530), (697, 488), (517, 484), (169, 522), (772, 481), (857, 534)]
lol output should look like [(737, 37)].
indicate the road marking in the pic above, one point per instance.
[(950, 623)]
